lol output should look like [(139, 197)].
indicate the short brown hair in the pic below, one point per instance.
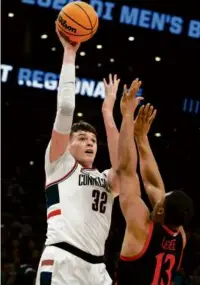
[(83, 126)]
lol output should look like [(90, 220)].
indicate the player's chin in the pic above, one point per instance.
[(89, 158)]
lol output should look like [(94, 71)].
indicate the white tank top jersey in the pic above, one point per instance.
[(79, 204)]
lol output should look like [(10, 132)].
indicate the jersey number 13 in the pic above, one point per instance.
[(162, 259)]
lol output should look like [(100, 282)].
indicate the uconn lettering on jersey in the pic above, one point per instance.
[(86, 179)]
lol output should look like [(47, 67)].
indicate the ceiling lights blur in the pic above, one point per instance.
[(158, 135), (131, 39), (11, 15), (79, 114), (112, 60), (99, 46), (53, 49), (44, 36), (157, 58), (82, 53)]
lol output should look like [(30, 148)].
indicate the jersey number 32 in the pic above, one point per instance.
[(100, 200)]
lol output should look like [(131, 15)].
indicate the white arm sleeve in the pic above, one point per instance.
[(60, 168), (65, 99)]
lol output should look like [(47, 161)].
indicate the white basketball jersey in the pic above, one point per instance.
[(79, 204)]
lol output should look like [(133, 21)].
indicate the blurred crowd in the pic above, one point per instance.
[(23, 229)]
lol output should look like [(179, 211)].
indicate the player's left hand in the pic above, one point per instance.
[(144, 119), (111, 92), (129, 101)]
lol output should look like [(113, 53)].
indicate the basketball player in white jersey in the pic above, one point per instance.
[(79, 198)]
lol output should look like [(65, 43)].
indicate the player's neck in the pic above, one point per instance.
[(87, 165)]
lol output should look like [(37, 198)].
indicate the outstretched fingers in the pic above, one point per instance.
[(153, 116)]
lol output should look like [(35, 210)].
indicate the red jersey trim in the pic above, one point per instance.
[(54, 213), (69, 173), (169, 231), (146, 245), (47, 262), (180, 261)]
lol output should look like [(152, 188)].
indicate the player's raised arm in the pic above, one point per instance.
[(152, 179), (65, 101), (107, 110), (112, 132), (127, 151), (150, 173), (134, 209)]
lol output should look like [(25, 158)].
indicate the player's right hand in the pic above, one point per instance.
[(111, 88), (144, 119), (129, 101), (67, 45)]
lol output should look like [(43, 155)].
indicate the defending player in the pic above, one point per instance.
[(153, 244), (79, 198)]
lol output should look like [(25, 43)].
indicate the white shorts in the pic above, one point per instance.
[(59, 267)]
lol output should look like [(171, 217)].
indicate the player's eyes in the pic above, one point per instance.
[(82, 139), (94, 141)]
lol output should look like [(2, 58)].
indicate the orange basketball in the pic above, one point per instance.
[(77, 21)]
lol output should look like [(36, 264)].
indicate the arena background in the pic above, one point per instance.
[(166, 57)]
